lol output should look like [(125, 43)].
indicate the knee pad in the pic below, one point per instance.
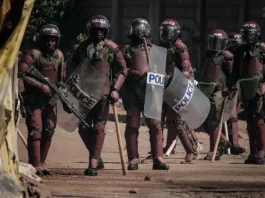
[(154, 125), (131, 130), (133, 121), (99, 127), (48, 132), (35, 134)]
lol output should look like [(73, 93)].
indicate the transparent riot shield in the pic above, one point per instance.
[(230, 106), (187, 100), (85, 88), (248, 88), (207, 88), (155, 83)]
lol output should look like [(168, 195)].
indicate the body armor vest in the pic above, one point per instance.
[(50, 67), (212, 71), (251, 66), (137, 59), (251, 73), (99, 59)]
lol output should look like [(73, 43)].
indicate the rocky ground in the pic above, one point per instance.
[(68, 158)]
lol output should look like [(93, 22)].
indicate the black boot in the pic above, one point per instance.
[(133, 164), (223, 146), (91, 171), (237, 150), (209, 158), (158, 165), (47, 172), (40, 173), (92, 167), (100, 164), (252, 159)]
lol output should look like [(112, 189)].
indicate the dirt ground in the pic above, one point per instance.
[(68, 157)]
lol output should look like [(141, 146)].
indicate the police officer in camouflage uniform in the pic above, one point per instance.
[(177, 56), (248, 72), (41, 118), (216, 67), (106, 58), (234, 41), (135, 54)]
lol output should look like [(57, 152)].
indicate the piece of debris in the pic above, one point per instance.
[(147, 178), (132, 191), (29, 170), (184, 162)]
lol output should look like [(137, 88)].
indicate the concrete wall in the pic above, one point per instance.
[(197, 17)]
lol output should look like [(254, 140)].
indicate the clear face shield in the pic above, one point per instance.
[(168, 34), (250, 35), (217, 43), (139, 29)]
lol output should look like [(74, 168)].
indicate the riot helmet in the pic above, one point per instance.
[(98, 27), (139, 28), (250, 32), (169, 31), (49, 37), (217, 40)]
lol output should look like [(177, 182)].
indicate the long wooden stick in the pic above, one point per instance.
[(172, 146), (219, 131), (227, 137), (120, 144), (22, 138)]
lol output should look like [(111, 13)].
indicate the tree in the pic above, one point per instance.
[(45, 11)]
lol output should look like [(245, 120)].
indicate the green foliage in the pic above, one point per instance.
[(44, 11), (79, 39)]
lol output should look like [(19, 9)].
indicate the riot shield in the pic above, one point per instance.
[(207, 88), (187, 100), (230, 106), (85, 88), (155, 83), (248, 88)]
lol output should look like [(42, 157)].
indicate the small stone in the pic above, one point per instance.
[(132, 191), (147, 178)]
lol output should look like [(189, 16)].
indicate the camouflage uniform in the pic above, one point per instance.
[(248, 71), (106, 58), (177, 56), (216, 67), (41, 116), (135, 54)]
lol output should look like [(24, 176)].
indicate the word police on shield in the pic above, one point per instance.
[(180, 106), (155, 79)]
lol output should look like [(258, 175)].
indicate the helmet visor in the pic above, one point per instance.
[(168, 33), (139, 29), (216, 43)]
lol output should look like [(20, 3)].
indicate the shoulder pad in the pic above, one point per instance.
[(35, 53), (124, 47), (110, 44), (227, 54), (262, 47), (180, 45), (59, 54)]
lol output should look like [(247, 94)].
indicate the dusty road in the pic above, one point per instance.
[(227, 178)]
